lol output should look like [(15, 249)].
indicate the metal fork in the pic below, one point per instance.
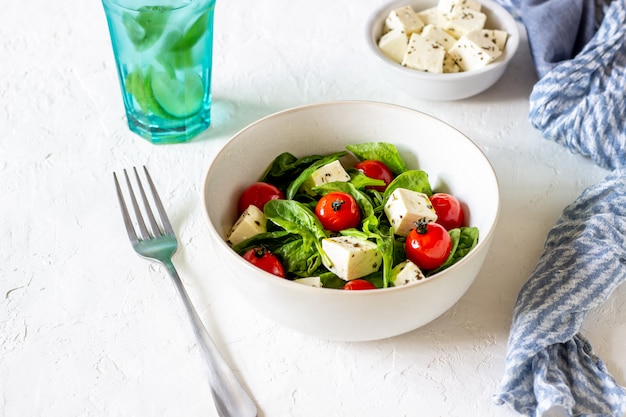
[(160, 244)]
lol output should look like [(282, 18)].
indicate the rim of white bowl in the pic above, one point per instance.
[(338, 292), (378, 18)]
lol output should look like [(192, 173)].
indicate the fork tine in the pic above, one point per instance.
[(156, 231), (142, 226), (125, 215), (167, 227)]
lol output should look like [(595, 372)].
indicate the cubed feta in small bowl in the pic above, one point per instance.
[(442, 50)]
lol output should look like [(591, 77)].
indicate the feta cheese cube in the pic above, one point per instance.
[(434, 34), (474, 51), (331, 172), (447, 7), (450, 65), (404, 19), (498, 37), (430, 16), (351, 257), (405, 273), (462, 21), (251, 222), (310, 281), (405, 207), (393, 44), (424, 55)]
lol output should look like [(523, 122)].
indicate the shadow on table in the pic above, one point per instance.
[(229, 117)]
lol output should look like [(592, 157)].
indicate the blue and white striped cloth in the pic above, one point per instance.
[(551, 369), (579, 102)]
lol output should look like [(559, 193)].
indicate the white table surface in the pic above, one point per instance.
[(87, 328)]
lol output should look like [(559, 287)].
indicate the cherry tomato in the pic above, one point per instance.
[(428, 245), (258, 194), (449, 211), (264, 259), (377, 170), (358, 284), (338, 211)]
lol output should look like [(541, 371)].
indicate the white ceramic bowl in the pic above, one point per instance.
[(454, 164), (442, 87)]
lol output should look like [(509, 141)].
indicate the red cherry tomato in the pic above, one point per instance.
[(264, 259), (449, 211), (428, 245), (258, 194), (338, 211), (358, 284), (377, 170)]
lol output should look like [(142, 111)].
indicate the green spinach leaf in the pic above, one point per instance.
[(360, 180), (415, 180), (298, 258), (272, 240), (285, 168), (293, 188), (464, 239), (297, 218), (380, 151)]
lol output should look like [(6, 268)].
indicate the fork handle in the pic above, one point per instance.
[(231, 400)]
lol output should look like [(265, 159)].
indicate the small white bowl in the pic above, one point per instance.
[(454, 164), (443, 87)]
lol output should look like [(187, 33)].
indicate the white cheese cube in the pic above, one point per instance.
[(474, 51), (430, 16), (462, 21), (424, 55), (404, 19), (310, 281), (251, 222), (447, 7), (434, 34), (393, 44), (331, 172), (405, 273), (450, 65), (405, 207), (351, 257), (497, 37)]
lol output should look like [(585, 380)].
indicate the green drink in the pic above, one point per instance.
[(163, 51)]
